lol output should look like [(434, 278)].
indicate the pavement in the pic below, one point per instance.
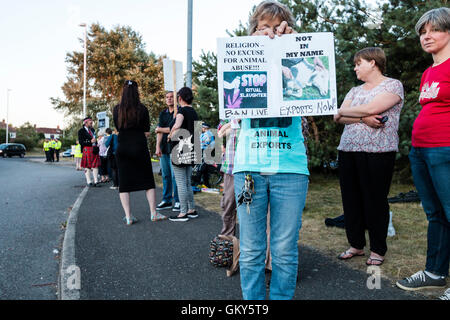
[(168, 260)]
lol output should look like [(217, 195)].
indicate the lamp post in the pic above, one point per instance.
[(84, 68), (189, 46), (7, 114)]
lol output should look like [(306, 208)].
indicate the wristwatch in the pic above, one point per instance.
[(360, 120)]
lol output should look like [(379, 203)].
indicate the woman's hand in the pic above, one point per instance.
[(337, 117), (93, 140), (283, 28), (158, 152), (265, 32), (373, 122)]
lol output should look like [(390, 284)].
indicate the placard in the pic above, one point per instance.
[(291, 75), (103, 120), (169, 72)]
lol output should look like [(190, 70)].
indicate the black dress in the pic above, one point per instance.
[(132, 155)]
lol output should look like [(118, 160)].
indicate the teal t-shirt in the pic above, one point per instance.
[(271, 145)]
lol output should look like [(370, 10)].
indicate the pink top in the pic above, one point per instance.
[(432, 126), (359, 137)]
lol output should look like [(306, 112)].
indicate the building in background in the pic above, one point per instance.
[(11, 130), (49, 132)]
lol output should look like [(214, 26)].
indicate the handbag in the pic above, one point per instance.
[(224, 252), (95, 150)]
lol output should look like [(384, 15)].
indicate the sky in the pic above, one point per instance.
[(37, 35)]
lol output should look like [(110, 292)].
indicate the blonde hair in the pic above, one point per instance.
[(372, 53), (270, 10)]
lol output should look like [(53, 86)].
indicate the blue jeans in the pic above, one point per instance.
[(431, 173), (286, 194), (169, 184)]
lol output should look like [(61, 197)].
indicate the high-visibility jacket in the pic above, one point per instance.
[(46, 146), (52, 144), (58, 145), (78, 153)]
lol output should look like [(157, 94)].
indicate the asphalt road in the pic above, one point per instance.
[(169, 260), (34, 201)]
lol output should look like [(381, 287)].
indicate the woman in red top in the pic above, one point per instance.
[(430, 152)]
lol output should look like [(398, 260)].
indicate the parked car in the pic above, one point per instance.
[(67, 153), (12, 149)]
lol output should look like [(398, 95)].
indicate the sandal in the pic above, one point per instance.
[(129, 221), (158, 217), (370, 261), (349, 254)]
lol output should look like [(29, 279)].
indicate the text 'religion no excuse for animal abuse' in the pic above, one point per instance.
[(288, 76)]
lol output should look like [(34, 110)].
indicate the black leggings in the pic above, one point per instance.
[(365, 179), (112, 167)]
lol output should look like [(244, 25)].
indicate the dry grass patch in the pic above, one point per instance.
[(406, 250)]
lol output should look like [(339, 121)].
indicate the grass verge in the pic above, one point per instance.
[(406, 250)]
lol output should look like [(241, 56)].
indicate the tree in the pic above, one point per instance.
[(204, 76), (26, 135), (2, 135), (356, 25), (113, 57), (27, 130)]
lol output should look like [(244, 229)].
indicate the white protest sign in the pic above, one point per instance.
[(288, 76), (103, 120), (169, 74)]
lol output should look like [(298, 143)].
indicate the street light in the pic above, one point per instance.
[(189, 46), (7, 114), (84, 68)]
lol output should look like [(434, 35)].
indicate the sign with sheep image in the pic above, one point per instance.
[(288, 76)]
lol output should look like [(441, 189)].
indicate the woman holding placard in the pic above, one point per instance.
[(367, 150), (278, 178)]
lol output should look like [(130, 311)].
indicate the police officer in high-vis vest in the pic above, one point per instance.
[(52, 149), (46, 148), (78, 155), (57, 148)]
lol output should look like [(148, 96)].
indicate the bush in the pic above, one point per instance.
[(30, 144), (67, 143), (2, 135)]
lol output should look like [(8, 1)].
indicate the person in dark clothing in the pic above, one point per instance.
[(90, 160), (112, 143), (132, 120), (183, 154), (166, 117)]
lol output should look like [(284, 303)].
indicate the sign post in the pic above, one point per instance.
[(173, 79), (103, 120)]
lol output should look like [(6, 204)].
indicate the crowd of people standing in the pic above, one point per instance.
[(267, 191), (52, 148)]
